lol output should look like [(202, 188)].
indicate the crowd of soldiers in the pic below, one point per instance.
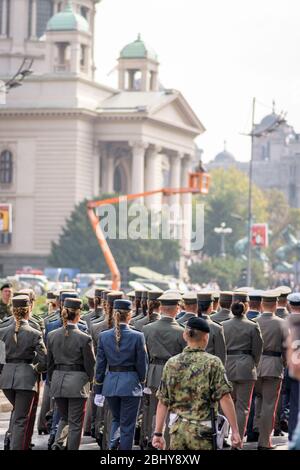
[(149, 368)]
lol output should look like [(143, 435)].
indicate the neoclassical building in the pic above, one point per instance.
[(65, 137)]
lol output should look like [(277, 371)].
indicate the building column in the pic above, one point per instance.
[(4, 19), (109, 174), (175, 180), (138, 166), (153, 178), (33, 19), (75, 58)]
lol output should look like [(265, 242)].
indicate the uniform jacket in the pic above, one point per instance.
[(91, 316), (242, 334), (30, 348), (96, 329), (223, 315), (216, 343), (164, 339), (184, 318), (282, 312), (11, 320), (132, 353), (75, 349), (272, 329), (139, 324), (55, 324), (5, 310)]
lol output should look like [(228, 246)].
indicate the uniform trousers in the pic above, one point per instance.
[(45, 407), (20, 426), (267, 394), (72, 411), (242, 395), (124, 415), (294, 405)]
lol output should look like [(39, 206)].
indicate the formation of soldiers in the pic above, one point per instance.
[(152, 368)]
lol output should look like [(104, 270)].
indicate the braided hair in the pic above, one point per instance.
[(119, 316), (152, 305), (19, 314), (68, 314), (144, 306), (110, 314), (137, 305)]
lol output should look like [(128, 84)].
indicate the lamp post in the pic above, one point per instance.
[(17, 79), (256, 133), (223, 231)]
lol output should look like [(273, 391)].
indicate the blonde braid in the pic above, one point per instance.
[(117, 316), (64, 316), (110, 312), (19, 313), (152, 304)]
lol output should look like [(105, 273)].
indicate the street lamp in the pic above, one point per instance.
[(256, 133), (223, 231), (17, 79)]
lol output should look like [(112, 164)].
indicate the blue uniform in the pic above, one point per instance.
[(122, 386), (252, 314)]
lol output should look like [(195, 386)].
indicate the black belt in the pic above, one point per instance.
[(70, 367), (237, 352), (19, 361), (158, 361), (121, 368), (272, 353)]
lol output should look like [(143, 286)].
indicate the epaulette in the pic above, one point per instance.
[(133, 328), (5, 320), (226, 319), (218, 323), (51, 320)]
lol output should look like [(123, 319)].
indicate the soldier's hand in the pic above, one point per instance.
[(159, 442), (236, 440)]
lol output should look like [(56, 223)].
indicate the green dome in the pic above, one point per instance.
[(67, 20), (138, 50)]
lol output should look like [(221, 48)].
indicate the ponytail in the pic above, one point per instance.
[(68, 314)]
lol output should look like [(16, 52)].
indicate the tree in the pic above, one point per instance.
[(77, 247)]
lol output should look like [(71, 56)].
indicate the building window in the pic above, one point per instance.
[(6, 167), (43, 15), (84, 11)]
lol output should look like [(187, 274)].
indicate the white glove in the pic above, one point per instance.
[(147, 391), (99, 400)]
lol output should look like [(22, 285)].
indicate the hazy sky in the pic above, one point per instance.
[(218, 53)]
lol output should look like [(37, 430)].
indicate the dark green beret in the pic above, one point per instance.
[(71, 302), (196, 323), (21, 301), (6, 285)]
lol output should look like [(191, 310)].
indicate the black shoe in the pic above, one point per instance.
[(284, 426), (278, 432), (93, 432), (226, 445), (253, 437), (273, 447)]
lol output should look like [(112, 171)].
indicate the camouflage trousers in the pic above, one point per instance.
[(187, 436)]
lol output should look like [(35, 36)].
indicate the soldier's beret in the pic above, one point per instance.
[(122, 304), (294, 299), (255, 295), (190, 298), (21, 301), (139, 293), (205, 297), (70, 295), (283, 291), (51, 295), (270, 296), (197, 323), (72, 302), (240, 297), (170, 298), (6, 285), (114, 295), (154, 294), (226, 296)]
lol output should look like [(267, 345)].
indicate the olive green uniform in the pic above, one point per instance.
[(182, 320), (5, 310), (191, 382), (244, 347), (139, 324), (216, 343), (223, 315), (270, 374), (282, 313)]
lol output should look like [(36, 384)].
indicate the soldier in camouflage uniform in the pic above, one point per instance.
[(192, 383), (5, 301)]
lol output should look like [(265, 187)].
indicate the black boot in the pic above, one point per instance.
[(7, 441)]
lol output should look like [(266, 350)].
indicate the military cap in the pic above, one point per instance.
[(131, 294), (72, 302), (154, 294), (169, 298), (51, 295), (29, 292), (283, 291), (196, 323), (6, 285), (122, 304), (226, 296), (71, 294), (98, 292), (139, 293), (90, 294), (270, 296), (240, 297), (294, 298), (21, 301), (243, 289), (205, 297), (190, 298), (104, 294), (144, 295), (255, 295), (114, 295)]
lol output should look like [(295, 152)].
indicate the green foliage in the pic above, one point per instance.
[(78, 248)]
